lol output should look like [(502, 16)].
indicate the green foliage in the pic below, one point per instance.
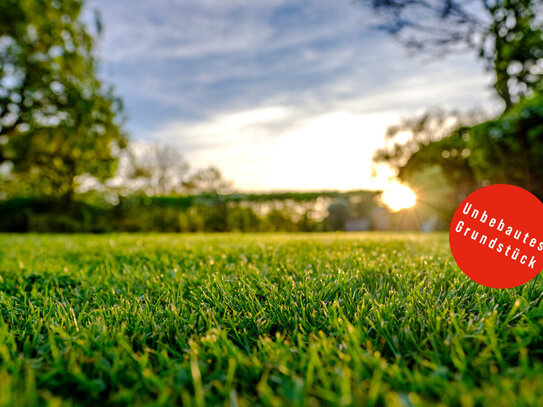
[(506, 34), (39, 215), (506, 150), (434, 161), (427, 128), (270, 320), (510, 148), (451, 148), (57, 121), (208, 180), (210, 212), (516, 57), (441, 174), (437, 198), (451, 154)]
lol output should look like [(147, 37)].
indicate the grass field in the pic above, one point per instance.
[(244, 320)]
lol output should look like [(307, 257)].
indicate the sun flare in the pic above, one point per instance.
[(397, 196)]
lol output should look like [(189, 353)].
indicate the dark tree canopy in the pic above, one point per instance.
[(506, 34), (509, 149), (505, 150), (57, 121)]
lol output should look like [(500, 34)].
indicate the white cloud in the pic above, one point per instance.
[(296, 101), (224, 129), (284, 148), (324, 144)]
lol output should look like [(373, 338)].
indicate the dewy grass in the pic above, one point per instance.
[(245, 320)]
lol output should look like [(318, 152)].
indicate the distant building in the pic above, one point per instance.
[(357, 224), (381, 219), (430, 224)]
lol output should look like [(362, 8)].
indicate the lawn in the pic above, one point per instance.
[(246, 320)]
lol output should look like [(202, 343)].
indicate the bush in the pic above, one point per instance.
[(200, 213), (509, 150)]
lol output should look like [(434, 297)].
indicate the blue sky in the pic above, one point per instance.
[(279, 94)]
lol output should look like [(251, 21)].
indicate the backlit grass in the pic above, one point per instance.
[(244, 320)]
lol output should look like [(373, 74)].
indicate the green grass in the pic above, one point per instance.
[(245, 320)]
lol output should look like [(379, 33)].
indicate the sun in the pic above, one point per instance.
[(397, 196)]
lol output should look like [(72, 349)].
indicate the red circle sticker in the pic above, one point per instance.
[(496, 236)]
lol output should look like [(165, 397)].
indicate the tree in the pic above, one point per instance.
[(408, 136), (57, 120), (155, 169), (446, 155), (430, 153), (509, 149), (506, 34), (208, 180)]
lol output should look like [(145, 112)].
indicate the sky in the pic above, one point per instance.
[(278, 94)]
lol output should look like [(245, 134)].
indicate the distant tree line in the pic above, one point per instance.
[(205, 212)]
